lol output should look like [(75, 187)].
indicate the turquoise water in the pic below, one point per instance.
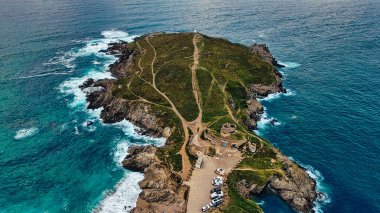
[(50, 161)]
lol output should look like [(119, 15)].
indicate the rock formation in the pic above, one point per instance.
[(161, 188)]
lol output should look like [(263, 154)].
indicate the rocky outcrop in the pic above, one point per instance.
[(117, 109), (140, 157), (296, 187), (125, 53), (263, 51), (161, 188), (254, 111), (261, 90)]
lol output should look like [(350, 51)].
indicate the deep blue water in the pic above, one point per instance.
[(50, 160)]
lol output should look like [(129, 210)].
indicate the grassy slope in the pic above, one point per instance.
[(225, 70)]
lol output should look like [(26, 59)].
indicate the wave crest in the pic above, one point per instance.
[(27, 132)]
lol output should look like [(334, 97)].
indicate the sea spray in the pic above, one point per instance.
[(321, 187), (27, 132), (123, 196)]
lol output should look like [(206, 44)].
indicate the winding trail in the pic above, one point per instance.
[(186, 165), (196, 127)]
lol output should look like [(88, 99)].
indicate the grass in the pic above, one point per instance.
[(181, 94), (224, 73), (238, 203)]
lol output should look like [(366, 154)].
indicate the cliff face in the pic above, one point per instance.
[(255, 109), (162, 190), (295, 187)]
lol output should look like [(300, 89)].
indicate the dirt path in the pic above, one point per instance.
[(186, 165), (236, 121)]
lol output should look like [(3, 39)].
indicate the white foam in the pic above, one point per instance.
[(27, 132), (320, 186), (121, 152), (289, 65), (99, 71), (124, 195), (277, 95), (45, 74), (130, 130), (265, 121)]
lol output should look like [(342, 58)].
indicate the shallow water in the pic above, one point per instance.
[(51, 161)]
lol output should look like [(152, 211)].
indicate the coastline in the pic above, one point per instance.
[(148, 131)]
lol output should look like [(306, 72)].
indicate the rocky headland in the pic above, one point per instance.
[(142, 93)]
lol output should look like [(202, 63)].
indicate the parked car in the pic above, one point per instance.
[(216, 202), (216, 194), (220, 171), (217, 181), (216, 189), (206, 208)]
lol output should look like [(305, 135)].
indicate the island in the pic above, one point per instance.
[(200, 93)]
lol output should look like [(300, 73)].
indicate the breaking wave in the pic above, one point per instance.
[(322, 190), (289, 65), (277, 95), (27, 132), (124, 195), (98, 70)]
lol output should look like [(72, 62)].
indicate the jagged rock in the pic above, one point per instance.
[(254, 111), (142, 210), (87, 83), (260, 90), (273, 121), (160, 185), (117, 109), (140, 157), (297, 188), (264, 52)]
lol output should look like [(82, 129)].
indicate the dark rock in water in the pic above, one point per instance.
[(273, 121), (87, 83), (321, 196), (89, 123)]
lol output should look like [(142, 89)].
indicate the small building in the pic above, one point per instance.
[(198, 164), (252, 147), (224, 144)]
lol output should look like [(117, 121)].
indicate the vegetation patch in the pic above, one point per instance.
[(237, 202)]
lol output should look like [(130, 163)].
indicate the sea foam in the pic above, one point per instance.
[(320, 186), (289, 65), (277, 95), (124, 196), (27, 132), (99, 70)]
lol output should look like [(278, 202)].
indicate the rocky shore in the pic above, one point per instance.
[(294, 186), (162, 188)]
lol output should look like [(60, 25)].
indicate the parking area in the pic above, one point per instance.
[(200, 182)]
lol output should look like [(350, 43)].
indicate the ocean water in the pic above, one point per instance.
[(50, 160)]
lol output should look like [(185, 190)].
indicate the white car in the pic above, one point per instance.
[(220, 171), (218, 194), (206, 208), (217, 181), (216, 202)]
